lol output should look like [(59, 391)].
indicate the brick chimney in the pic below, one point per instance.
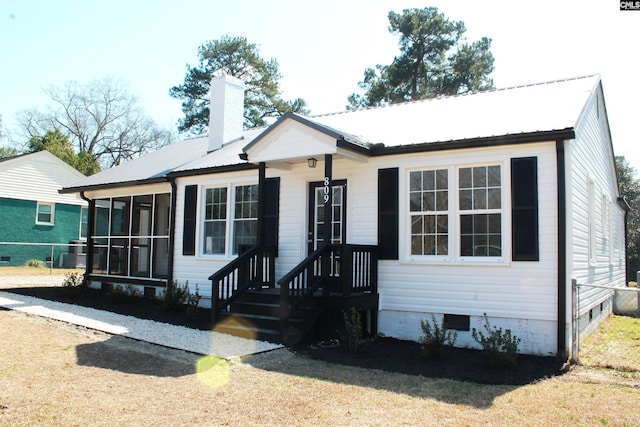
[(226, 110)]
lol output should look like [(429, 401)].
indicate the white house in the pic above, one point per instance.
[(464, 206)]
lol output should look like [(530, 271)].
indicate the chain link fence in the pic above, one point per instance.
[(51, 255), (607, 327)]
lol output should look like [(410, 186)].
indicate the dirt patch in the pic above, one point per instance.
[(386, 354)]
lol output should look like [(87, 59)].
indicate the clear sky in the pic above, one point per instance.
[(322, 47)]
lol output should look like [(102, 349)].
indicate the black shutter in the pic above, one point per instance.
[(189, 226), (524, 209), (388, 213), (271, 212)]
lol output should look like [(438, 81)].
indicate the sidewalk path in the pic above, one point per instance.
[(180, 337)]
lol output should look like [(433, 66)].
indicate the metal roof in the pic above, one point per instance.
[(541, 107), (522, 110)]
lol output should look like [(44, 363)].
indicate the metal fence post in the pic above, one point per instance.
[(575, 321)]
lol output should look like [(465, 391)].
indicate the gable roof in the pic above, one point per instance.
[(37, 176), (537, 112)]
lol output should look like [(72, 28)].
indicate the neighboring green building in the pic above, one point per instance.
[(32, 212)]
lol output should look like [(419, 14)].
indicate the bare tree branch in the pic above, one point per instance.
[(102, 119)]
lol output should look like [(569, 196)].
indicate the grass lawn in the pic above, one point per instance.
[(52, 373), (615, 344), (36, 271)]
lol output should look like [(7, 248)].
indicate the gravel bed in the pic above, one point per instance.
[(197, 341)]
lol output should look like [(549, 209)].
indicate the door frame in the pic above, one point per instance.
[(311, 215)]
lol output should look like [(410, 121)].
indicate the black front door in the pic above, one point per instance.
[(316, 214)]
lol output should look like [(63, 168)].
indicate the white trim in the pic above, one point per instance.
[(454, 214), (52, 205), (229, 220), (591, 194)]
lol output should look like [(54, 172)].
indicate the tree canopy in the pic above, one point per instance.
[(630, 190), (102, 119), (58, 144), (237, 57), (435, 59)]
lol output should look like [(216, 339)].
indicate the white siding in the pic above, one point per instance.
[(591, 159), (521, 295), (38, 176), (517, 295)]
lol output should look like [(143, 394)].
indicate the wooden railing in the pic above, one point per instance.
[(254, 268), (349, 269)]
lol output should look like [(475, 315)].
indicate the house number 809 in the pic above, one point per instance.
[(326, 189)]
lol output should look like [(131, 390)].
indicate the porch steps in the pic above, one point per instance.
[(256, 315)]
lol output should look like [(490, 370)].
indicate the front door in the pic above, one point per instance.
[(316, 214)]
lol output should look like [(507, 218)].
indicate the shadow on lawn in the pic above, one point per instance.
[(135, 357), (383, 354)]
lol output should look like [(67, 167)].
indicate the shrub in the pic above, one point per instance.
[(435, 337), (73, 280), (352, 336), (35, 263), (502, 347), (176, 296)]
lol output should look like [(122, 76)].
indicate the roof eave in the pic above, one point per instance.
[(112, 185), (489, 141)]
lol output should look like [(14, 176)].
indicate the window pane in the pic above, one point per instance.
[(102, 208), (443, 224), (465, 200), (415, 181), (118, 257), (494, 224), (416, 224), (442, 179), (479, 177), (120, 216), (140, 256), (415, 202), (480, 199), (442, 200), (162, 218), (84, 222), (493, 173), (465, 178), (160, 258), (416, 245), (429, 201), (428, 180), (494, 198), (466, 224), (141, 215)]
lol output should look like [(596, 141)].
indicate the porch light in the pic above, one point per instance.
[(312, 162)]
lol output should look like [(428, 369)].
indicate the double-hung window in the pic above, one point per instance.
[(456, 212), (215, 221), (429, 207), (45, 213), (230, 219), (480, 203)]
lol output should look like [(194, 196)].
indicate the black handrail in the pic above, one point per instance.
[(334, 268), (254, 268)]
